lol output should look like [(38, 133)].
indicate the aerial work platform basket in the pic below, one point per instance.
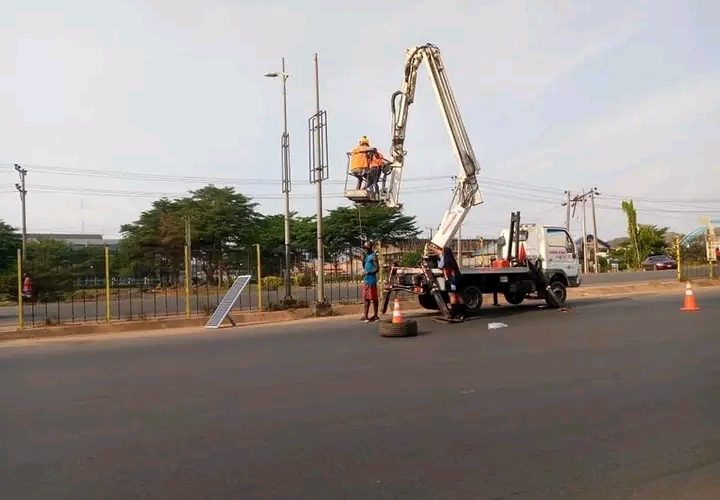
[(367, 186)]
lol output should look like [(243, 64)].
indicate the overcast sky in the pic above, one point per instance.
[(555, 95)]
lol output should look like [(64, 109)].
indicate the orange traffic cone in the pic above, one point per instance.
[(522, 255), (690, 303), (397, 314)]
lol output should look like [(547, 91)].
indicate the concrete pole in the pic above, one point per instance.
[(595, 236), (318, 172), (567, 212), (584, 229), (286, 186), (23, 192)]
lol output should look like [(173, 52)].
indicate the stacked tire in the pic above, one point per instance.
[(407, 328)]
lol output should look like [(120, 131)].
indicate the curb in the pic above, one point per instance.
[(260, 318)]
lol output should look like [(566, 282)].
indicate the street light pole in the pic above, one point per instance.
[(286, 180), (318, 165)]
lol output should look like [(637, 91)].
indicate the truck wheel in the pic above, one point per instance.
[(514, 298), (407, 328), (556, 294), (427, 302), (472, 296)]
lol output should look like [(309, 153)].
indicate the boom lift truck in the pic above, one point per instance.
[(520, 274)]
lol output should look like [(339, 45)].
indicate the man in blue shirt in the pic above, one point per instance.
[(370, 293)]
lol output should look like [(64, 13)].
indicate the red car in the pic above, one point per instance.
[(658, 263)]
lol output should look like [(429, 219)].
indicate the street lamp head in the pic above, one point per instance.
[(276, 74)]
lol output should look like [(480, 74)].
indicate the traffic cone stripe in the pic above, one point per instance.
[(397, 314)]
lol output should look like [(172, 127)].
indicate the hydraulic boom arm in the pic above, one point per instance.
[(467, 193)]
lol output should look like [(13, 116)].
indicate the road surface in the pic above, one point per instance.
[(613, 398), (172, 303)]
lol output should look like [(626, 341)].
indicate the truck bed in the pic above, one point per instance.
[(471, 270)]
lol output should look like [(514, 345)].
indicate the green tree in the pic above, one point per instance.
[(651, 240), (270, 234), (221, 221), (50, 265), (632, 255), (345, 227), (10, 241), (693, 250)]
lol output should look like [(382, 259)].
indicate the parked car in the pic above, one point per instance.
[(658, 262)]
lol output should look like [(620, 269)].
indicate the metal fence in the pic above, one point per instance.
[(92, 284), (697, 259)]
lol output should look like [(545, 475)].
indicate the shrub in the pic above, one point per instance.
[(304, 280), (271, 282)]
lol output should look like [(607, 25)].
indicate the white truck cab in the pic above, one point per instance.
[(551, 244)]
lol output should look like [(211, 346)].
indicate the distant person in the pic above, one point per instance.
[(717, 254), (27, 288), (370, 293)]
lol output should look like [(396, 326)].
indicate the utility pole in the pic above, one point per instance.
[(574, 201), (188, 265), (319, 172), (286, 181), (584, 228), (594, 192), (188, 243), (23, 192), (567, 212)]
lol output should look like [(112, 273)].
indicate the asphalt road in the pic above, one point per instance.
[(613, 398), (172, 303), (628, 277)]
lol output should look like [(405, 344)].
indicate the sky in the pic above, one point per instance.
[(110, 105)]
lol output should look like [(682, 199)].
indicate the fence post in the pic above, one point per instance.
[(187, 283), (107, 285), (259, 285), (21, 309), (678, 250)]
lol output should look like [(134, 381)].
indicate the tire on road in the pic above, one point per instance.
[(515, 298), (408, 328), (556, 294), (472, 297)]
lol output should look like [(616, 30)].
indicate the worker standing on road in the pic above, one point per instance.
[(370, 293), (451, 271), (360, 159)]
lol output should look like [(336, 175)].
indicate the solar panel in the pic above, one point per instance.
[(228, 301)]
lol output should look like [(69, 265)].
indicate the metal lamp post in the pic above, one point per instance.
[(286, 179)]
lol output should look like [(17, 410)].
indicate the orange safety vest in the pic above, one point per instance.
[(360, 159), (377, 161)]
